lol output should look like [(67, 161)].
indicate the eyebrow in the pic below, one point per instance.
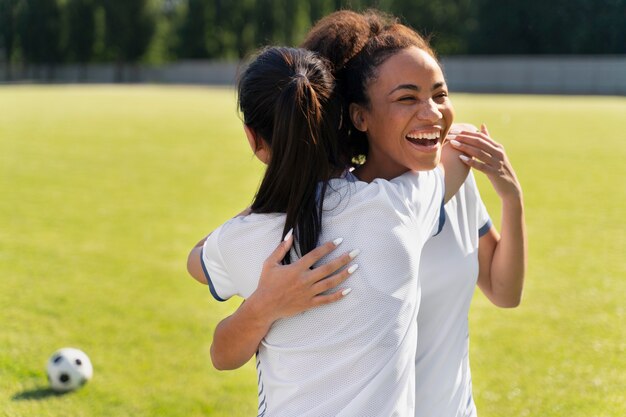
[(416, 88)]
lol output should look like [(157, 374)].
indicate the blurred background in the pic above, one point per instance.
[(530, 46)]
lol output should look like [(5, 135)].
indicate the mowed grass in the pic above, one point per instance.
[(105, 189)]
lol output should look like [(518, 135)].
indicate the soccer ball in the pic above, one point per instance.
[(68, 369)]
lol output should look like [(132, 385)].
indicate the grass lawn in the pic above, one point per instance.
[(104, 189)]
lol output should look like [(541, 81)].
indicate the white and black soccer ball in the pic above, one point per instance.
[(68, 369)]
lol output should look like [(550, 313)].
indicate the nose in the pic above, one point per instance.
[(429, 111)]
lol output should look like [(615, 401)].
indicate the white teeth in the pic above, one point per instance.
[(423, 135)]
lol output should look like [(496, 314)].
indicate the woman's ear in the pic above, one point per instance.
[(257, 144), (357, 116)]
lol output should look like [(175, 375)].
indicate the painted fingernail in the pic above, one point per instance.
[(337, 241), (354, 253), (455, 142), (288, 235), (464, 158), (353, 268), (346, 291)]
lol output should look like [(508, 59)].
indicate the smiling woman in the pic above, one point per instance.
[(406, 116)]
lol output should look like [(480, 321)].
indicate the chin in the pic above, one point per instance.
[(427, 164)]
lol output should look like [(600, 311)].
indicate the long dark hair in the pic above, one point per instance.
[(283, 95), (356, 44)]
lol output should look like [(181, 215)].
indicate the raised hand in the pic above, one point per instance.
[(486, 155)]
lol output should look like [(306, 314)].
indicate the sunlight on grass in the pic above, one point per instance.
[(105, 189)]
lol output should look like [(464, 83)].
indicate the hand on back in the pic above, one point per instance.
[(286, 290)]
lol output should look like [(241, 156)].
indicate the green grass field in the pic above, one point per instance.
[(105, 189)]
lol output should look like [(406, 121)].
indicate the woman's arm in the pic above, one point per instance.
[(502, 257), (283, 291), (194, 265), (455, 170)]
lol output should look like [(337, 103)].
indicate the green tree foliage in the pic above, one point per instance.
[(129, 26), (193, 30), (128, 31), (446, 22), (557, 27), (39, 30), (320, 8), (81, 30), (7, 28)]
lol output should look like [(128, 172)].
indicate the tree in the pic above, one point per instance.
[(192, 31), (129, 26), (446, 22), (237, 28), (81, 30), (319, 9), (565, 27), (38, 27), (7, 31), (265, 21)]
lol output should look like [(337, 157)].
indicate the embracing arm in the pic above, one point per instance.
[(194, 265), (283, 291), (237, 337), (502, 257)]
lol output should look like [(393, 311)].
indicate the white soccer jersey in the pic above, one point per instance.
[(354, 357), (448, 274)]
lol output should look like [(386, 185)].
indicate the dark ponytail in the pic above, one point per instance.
[(283, 96)]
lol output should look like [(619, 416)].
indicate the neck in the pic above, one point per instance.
[(373, 169)]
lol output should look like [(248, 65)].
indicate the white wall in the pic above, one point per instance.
[(536, 74), (483, 74)]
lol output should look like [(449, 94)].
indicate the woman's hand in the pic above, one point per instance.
[(283, 291), (486, 155), (286, 290)]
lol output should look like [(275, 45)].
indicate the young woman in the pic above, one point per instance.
[(356, 356), (468, 251)]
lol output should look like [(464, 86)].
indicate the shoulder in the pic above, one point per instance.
[(468, 193), (240, 230), (420, 185)]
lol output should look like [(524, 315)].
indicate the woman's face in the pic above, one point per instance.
[(408, 116)]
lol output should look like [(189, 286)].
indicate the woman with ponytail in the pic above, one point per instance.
[(351, 355), (296, 133)]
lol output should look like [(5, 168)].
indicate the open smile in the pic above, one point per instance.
[(424, 141)]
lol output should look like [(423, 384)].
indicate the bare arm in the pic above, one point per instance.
[(283, 291), (194, 266), (502, 257), (455, 170)]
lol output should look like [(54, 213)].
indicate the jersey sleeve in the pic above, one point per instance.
[(424, 192), (220, 284)]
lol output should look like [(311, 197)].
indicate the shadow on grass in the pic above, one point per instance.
[(37, 394)]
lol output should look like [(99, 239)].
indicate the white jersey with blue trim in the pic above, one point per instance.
[(448, 274), (354, 357)]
